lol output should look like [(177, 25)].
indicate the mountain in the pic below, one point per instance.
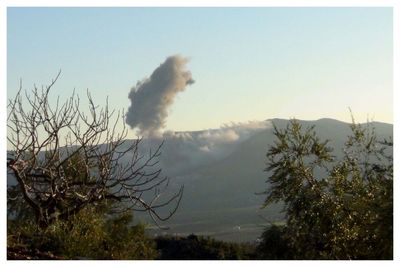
[(220, 196), (223, 169)]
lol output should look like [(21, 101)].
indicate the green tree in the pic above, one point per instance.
[(336, 208)]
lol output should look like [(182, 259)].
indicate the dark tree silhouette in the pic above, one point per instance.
[(64, 160)]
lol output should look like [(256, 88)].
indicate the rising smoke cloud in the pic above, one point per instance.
[(152, 97)]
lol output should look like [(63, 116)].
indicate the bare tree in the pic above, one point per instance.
[(64, 160)]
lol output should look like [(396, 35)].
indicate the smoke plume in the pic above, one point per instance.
[(151, 98), (184, 152)]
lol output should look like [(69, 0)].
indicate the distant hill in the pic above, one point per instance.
[(219, 197), (223, 169)]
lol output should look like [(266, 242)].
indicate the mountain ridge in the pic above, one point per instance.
[(222, 171)]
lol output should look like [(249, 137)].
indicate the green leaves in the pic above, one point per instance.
[(91, 234), (347, 213)]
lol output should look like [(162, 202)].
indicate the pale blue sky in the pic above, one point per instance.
[(248, 63)]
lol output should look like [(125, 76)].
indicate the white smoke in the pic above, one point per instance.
[(184, 152), (151, 98)]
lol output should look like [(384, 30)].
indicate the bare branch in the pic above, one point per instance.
[(64, 159)]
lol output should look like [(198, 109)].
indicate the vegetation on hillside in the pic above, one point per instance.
[(195, 247), (94, 233)]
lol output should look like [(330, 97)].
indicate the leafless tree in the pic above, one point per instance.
[(64, 160)]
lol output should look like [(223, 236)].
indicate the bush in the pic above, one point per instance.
[(90, 234), (274, 245)]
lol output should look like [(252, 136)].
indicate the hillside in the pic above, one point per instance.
[(220, 197), (222, 170)]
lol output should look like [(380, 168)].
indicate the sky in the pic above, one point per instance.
[(248, 63)]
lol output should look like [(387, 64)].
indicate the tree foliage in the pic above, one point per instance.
[(65, 160), (91, 234), (336, 208)]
